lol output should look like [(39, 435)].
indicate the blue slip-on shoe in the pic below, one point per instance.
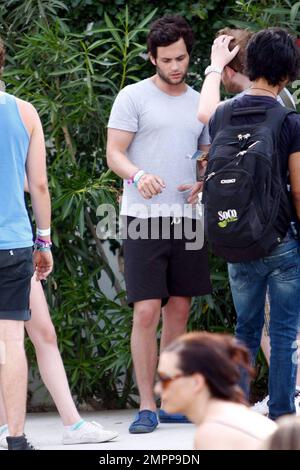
[(165, 417), (145, 421)]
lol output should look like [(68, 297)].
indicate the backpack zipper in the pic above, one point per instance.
[(210, 175)]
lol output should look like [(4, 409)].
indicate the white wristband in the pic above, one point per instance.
[(138, 176), (43, 232), (212, 68)]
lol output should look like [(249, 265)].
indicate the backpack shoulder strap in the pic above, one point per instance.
[(222, 115), (275, 118)]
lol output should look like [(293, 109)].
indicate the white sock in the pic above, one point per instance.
[(3, 428), (75, 426)]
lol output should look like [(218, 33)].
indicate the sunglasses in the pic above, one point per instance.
[(165, 380)]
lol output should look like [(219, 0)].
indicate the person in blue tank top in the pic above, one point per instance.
[(22, 150)]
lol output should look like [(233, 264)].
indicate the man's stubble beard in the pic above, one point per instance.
[(167, 80), (233, 88)]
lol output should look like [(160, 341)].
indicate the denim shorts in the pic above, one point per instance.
[(16, 270)]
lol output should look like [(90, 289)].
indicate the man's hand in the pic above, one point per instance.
[(220, 53), (150, 185), (195, 189), (43, 264)]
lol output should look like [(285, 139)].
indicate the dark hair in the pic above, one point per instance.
[(219, 358), (272, 54), (166, 31), (241, 37), (2, 55)]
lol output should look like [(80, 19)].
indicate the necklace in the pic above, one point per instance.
[(264, 89)]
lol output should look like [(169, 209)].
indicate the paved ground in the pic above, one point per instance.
[(45, 430)]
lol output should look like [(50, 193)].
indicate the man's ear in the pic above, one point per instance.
[(284, 82), (229, 72), (199, 381), (152, 59)]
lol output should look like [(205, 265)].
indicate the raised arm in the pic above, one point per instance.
[(210, 92)]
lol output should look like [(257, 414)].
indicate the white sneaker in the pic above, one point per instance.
[(3, 442), (88, 433), (261, 407)]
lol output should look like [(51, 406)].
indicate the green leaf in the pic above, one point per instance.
[(114, 32), (294, 11), (67, 207)]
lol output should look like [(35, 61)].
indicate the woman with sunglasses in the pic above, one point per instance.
[(198, 375)]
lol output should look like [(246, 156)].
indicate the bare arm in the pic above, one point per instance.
[(210, 92), (294, 169), (26, 189), (37, 183), (118, 142), (37, 174)]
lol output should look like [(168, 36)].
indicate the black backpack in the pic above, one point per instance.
[(247, 210)]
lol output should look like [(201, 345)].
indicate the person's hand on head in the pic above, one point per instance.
[(220, 53)]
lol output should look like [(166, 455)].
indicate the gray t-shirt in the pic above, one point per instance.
[(167, 132)]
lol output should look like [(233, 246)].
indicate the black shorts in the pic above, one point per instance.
[(16, 270), (160, 268)]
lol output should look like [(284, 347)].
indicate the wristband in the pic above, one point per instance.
[(42, 245), (41, 232), (137, 177), (131, 179), (212, 68)]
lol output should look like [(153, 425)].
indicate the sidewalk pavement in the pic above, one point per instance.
[(44, 430)]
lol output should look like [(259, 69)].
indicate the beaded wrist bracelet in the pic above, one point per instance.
[(42, 245), (131, 179)]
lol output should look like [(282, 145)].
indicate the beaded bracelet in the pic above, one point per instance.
[(131, 179), (42, 245)]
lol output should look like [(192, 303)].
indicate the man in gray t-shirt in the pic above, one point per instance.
[(152, 132)]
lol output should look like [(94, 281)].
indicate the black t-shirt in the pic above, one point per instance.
[(289, 139)]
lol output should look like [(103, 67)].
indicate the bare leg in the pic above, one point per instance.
[(3, 419), (175, 316), (144, 349), (265, 346), (42, 334), (13, 374)]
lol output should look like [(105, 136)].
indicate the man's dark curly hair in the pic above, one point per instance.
[(166, 31), (2, 55), (272, 54)]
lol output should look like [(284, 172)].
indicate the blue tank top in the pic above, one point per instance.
[(15, 229)]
